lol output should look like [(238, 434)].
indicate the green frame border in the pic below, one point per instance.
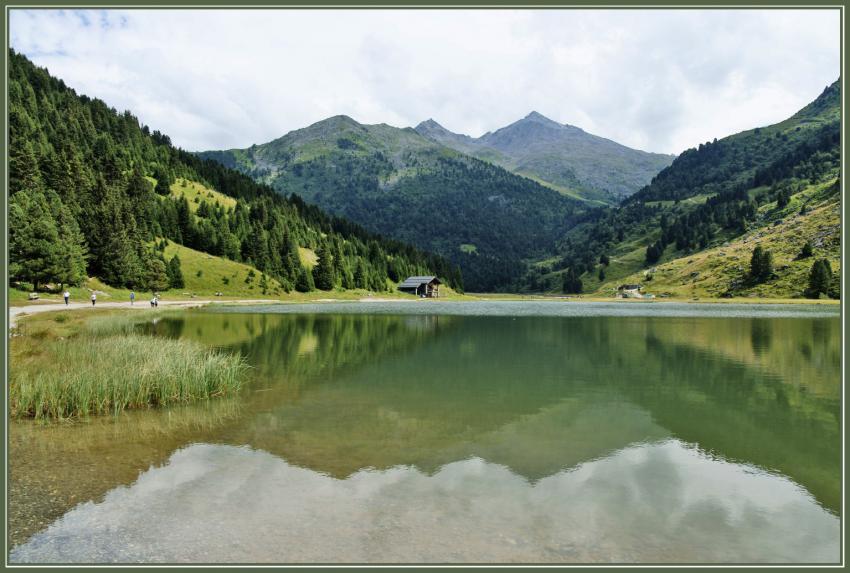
[(417, 4)]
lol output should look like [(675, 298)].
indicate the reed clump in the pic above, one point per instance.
[(109, 368)]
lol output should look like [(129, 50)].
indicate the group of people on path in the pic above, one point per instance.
[(154, 301)]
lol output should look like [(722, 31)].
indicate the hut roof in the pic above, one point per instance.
[(414, 282)]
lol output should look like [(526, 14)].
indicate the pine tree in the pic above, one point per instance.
[(34, 249), (163, 181), (572, 283), (185, 221), (157, 274), (72, 245), (761, 265), (338, 266), (23, 169), (806, 252), (175, 273), (304, 280), (820, 279), (323, 272), (654, 252), (360, 276)]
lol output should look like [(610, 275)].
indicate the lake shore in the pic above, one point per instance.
[(21, 309)]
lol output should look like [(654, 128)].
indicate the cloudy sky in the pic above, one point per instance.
[(655, 80)]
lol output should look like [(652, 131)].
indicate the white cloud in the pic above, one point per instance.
[(656, 80)]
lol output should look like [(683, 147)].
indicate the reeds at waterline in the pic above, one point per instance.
[(107, 370)]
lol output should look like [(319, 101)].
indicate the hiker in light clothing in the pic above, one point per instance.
[(132, 298), (67, 296), (93, 298)]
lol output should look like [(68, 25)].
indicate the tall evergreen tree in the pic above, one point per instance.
[(157, 274), (323, 272), (72, 245), (175, 273), (572, 283), (820, 279), (360, 280), (761, 265), (304, 280), (163, 181), (34, 246), (806, 252)]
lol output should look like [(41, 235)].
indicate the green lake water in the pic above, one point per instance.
[(462, 432)]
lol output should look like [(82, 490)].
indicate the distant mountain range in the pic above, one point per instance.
[(489, 204), (399, 183), (564, 157)]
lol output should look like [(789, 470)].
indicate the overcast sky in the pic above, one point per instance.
[(655, 80)]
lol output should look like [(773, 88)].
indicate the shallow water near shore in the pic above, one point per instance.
[(462, 432)]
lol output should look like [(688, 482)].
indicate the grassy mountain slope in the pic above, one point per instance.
[(719, 194), (400, 184), (720, 270), (92, 190), (563, 156)]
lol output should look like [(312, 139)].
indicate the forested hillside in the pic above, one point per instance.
[(92, 194), (710, 196), (398, 183)]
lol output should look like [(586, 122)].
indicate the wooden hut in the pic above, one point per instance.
[(421, 286)]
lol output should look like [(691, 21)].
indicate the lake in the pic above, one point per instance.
[(469, 432)]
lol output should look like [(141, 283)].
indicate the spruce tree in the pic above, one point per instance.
[(304, 280), (806, 251), (654, 252), (23, 169), (761, 265), (572, 283), (157, 274), (360, 276), (175, 273), (72, 244), (35, 253), (323, 272), (820, 279), (163, 181)]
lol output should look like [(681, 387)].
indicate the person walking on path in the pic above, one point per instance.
[(66, 295), (93, 298), (132, 298)]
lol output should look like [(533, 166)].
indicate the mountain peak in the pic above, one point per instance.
[(539, 118), (430, 123), (344, 119)]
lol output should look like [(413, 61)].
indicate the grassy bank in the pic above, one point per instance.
[(65, 365)]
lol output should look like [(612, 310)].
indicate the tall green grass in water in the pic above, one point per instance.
[(109, 368)]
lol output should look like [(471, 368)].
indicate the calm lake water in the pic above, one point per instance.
[(463, 432)]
